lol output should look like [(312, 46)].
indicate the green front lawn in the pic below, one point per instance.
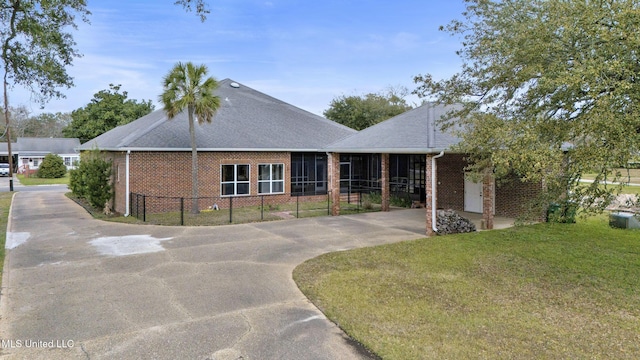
[(38, 181), (546, 291)]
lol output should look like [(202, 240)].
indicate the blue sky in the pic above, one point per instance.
[(303, 52)]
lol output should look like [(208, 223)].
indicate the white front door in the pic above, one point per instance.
[(472, 196)]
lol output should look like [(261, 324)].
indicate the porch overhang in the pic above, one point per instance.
[(407, 151)]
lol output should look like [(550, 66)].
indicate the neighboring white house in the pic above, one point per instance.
[(31, 152)]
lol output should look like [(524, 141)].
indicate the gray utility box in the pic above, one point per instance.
[(624, 220)]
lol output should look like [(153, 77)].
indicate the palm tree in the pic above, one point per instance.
[(185, 87)]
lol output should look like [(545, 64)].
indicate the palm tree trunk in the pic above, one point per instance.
[(194, 164)]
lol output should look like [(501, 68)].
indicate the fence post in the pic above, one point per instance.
[(144, 208), (262, 208), (130, 203), (230, 209), (181, 211), (328, 204), (298, 206)]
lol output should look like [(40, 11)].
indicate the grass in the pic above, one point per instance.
[(631, 176), (546, 291), (28, 181), (247, 214), (5, 205), (631, 190), (241, 215)]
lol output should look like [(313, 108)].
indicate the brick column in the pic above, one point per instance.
[(488, 194), (334, 183), (429, 192), (386, 193)]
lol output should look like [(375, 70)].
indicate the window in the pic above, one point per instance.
[(308, 173), (67, 161), (271, 178), (36, 162), (235, 180)]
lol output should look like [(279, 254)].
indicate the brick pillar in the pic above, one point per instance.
[(386, 191), (334, 183), (488, 194), (429, 193)]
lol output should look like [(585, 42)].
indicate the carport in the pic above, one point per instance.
[(435, 176)]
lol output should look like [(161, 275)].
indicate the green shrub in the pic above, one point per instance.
[(565, 212), (374, 197), (52, 167), (400, 201), (91, 180)]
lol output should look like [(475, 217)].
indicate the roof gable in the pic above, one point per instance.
[(30, 145), (414, 131)]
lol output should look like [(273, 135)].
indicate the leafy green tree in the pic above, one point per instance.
[(186, 88), (108, 109), (52, 167), (91, 180), (359, 112), (37, 48), (549, 90)]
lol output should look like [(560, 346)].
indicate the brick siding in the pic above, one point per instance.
[(450, 180), (168, 174), (513, 197), (164, 175)]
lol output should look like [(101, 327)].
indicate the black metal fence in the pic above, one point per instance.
[(164, 210)]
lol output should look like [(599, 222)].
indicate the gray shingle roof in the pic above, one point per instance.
[(246, 120), (412, 132), (4, 149), (41, 146)]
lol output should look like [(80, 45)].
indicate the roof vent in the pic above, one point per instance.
[(234, 85)]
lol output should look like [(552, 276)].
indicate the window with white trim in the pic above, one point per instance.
[(270, 178), (67, 161), (235, 180)]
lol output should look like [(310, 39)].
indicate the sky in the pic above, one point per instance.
[(303, 52)]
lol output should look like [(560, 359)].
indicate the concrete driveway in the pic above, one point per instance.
[(17, 186), (78, 288)]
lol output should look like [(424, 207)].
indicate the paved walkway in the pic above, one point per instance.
[(78, 288)]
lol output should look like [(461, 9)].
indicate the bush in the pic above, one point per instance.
[(400, 201), (91, 180), (52, 167), (373, 197), (565, 212)]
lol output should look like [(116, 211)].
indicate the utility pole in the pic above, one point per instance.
[(6, 117)]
